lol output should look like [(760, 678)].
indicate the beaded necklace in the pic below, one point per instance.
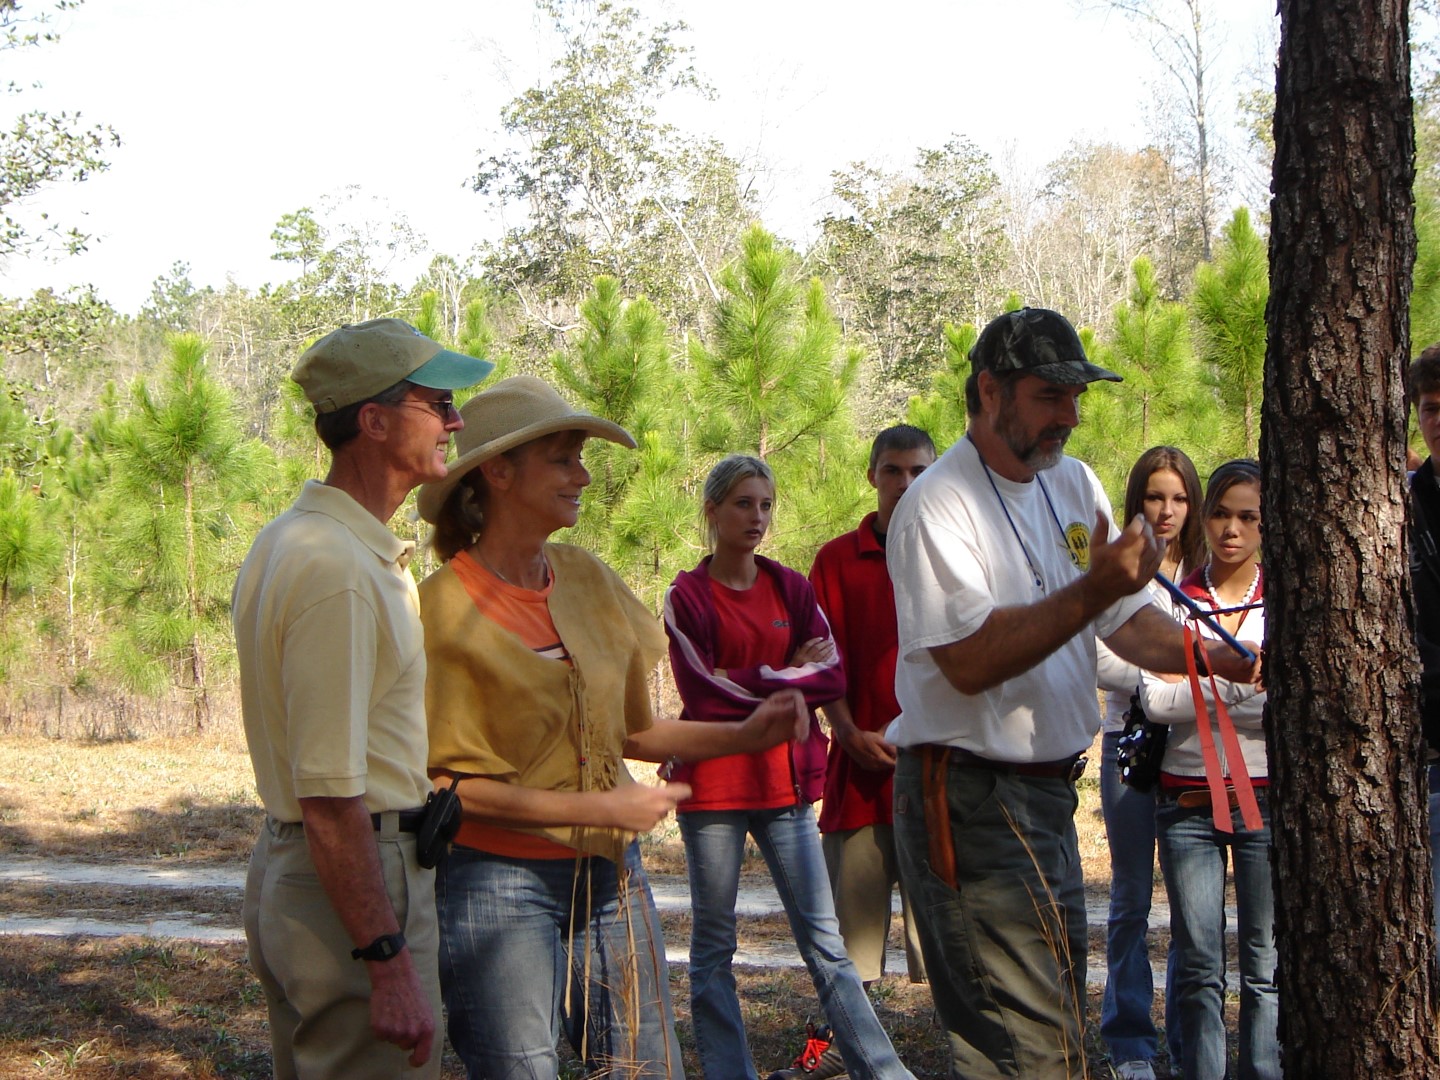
[(1244, 606)]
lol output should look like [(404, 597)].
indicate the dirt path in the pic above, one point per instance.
[(65, 896)]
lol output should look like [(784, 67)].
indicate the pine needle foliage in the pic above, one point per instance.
[(654, 534), (773, 379), (1163, 399), (941, 410), (1425, 293), (1228, 306), (477, 338), (427, 319), (30, 550), (183, 479), (618, 369)]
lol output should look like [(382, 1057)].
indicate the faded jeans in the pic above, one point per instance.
[(1193, 857), (512, 974), (1125, 1016), (790, 843)]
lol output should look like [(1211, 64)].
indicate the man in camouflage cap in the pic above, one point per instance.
[(1003, 580)]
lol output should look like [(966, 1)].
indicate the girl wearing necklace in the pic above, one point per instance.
[(1163, 486), (1193, 851)]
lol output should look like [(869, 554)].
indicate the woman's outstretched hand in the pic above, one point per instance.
[(639, 808), (780, 717)]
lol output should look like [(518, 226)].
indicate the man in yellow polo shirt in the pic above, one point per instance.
[(339, 915)]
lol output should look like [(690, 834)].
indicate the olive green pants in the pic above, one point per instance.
[(992, 865)]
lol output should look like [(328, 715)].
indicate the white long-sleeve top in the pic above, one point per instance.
[(1173, 704), (1120, 678)]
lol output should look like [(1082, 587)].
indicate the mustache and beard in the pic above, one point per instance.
[(1027, 447)]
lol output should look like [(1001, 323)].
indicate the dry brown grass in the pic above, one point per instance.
[(134, 1007), (191, 799)]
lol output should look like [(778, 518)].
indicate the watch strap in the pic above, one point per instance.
[(384, 947)]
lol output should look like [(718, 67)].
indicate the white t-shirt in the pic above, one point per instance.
[(954, 558)]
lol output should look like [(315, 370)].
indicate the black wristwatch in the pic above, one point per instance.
[(384, 947)]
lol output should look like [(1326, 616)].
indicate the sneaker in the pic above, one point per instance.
[(818, 1060), (1134, 1070)]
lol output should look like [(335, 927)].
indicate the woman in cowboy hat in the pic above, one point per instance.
[(539, 658)]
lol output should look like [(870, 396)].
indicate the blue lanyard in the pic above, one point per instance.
[(1035, 573)]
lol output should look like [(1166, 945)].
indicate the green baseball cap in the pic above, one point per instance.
[(361, 359), (1036, 341)]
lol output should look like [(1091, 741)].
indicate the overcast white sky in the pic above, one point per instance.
[(234, 114)]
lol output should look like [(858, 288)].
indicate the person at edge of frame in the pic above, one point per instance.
[(1423, 384)]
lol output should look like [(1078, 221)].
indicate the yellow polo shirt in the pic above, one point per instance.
[(332, 659)]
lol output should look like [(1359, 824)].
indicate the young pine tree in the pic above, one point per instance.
[(1163, 398), (619, 368), (773, 381), (1228, 306), (183, 482), (941, 409), (30, 551)]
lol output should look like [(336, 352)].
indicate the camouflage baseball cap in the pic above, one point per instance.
[(1036, 341)]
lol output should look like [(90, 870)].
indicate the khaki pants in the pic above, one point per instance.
[(862, 870), (318, 995)]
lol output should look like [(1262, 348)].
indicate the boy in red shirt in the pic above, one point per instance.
[(853, 588)]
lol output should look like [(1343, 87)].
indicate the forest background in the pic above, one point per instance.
[(140, 452)]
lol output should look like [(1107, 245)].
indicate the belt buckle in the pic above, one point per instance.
[(1077, 770)]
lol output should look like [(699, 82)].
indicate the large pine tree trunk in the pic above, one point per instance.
[(1351, 865)]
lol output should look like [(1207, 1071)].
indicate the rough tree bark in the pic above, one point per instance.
[(1351, 861)]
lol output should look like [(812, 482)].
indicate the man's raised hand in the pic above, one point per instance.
[(1125, 565)]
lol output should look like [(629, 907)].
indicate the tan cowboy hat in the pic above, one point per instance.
[(510, 413)]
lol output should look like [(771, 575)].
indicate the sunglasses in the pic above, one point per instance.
[(444, 408)]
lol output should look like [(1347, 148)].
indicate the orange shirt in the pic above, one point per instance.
[(526, 614), (754, 628)]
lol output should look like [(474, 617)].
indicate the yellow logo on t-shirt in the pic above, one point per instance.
[(1077, 540)]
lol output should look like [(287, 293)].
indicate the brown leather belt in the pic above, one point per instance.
[(1071, 768), (1193, 797)]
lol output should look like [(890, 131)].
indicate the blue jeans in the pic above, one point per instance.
[(790, 843), (1193, 856), (511, 971), (1125, 1016)]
